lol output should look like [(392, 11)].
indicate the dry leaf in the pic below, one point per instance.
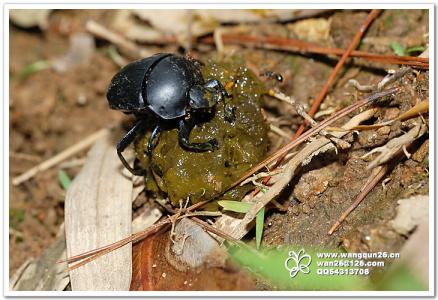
[(28, 18), (43, 274), (81, 49), (311, 30), (176, 23), (98, 212)]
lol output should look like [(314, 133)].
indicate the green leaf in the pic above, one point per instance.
[(33, 68), (260, 220), (64, 179), (398, 49), (16, 216), (415, 49), (242, 207), (236, 206)]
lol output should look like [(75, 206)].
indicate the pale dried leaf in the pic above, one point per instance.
[(200, 22), (425, 53), (312, 30), (80, 51), (98, 212), (410, 213), (146, 219), (194, 247), (125, 23), (394, 146), (176, 23), (257, 15), (28, 18), (44, 273)]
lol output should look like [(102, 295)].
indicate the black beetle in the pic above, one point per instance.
[(170, 87)]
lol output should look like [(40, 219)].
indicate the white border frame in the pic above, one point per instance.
[(225, 4)]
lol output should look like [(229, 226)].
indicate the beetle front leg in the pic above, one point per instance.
[(185, 127), (215, 86), (153, 139), (125, 142)]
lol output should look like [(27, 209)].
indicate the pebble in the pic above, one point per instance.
[(422, 152), (385, 130)]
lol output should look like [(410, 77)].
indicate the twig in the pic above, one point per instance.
[(284, 44), (300, 110), (126, 46), (362, 88), (221, 234), (260, 175), (189, 41), (378, 172), (91, 255), (72, 163), (376, 175), (390, 78), (394, 146), (393, 77), (278, 131), (53, 161), (371, 16), (25, 156), (216, 231), (314, 130), (217, 36), (291, 101), (282, 180)]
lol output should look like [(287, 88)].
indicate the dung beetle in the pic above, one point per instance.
[(172, 89)]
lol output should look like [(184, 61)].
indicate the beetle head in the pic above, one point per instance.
[(201, 98)]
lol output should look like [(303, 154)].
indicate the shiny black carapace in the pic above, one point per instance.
[(171, 88)]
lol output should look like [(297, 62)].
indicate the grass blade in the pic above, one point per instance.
[(64, 179), (260, 220), (235, 206)]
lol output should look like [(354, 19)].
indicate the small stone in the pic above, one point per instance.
[(385, 130), (391, 113), (422, 152), (306, 208), (82, 100), (295, 210)]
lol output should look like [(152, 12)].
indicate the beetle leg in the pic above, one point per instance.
[(185, 127), (125, 142), (215, 86), (153, 139)]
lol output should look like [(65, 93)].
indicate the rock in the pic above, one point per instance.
[(422, 152), (410, 213)]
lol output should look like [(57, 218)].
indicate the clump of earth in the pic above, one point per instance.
[(243, 142)]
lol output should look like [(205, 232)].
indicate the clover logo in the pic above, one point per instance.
[(296, 263)]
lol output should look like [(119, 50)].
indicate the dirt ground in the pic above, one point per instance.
[(50, 111)]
